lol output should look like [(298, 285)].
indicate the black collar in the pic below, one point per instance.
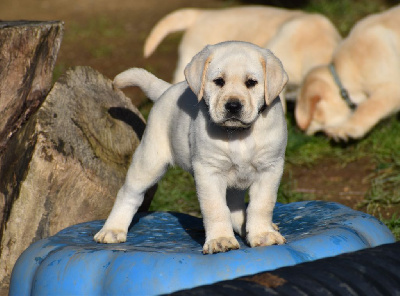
[(343, 92)]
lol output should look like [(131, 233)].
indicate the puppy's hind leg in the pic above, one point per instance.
[(149, 164), (237, 206)]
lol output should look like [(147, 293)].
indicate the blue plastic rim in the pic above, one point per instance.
[(163, 252)]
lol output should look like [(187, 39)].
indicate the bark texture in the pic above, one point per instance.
[(28, 51), (68, 161)]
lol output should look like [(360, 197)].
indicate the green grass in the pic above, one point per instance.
[(59, 69), (101, 28), (383, 146), (394, 225), (286, 194), (344, 13), (176, 192), (307, 150)]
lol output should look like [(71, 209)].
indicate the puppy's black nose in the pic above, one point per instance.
[(233, 106)]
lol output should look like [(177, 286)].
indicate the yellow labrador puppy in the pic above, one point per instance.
[(366, 71), (226, 126), (300, 40)]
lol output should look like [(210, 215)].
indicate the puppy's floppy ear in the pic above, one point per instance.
[(195, 71), (274, 74)]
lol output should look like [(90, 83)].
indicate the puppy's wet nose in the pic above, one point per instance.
[(233, 106)]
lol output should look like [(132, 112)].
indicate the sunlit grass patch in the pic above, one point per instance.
[(394, 225), (102, 29), (382, 145), (287, 194), (102, 51), (344, 13), (59, 69), (170, 42), (176, 192), (100, 26)]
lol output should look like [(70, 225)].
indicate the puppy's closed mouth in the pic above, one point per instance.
[(234, 123)]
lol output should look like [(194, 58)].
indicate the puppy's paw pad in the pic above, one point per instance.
[(266, 239), (110, 236), (221, 244)]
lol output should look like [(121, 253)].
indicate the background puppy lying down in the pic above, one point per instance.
[(300, 40), (226, 126), (367, 64)]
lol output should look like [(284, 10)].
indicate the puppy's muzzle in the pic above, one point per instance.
[(233, 113), (233, 107)]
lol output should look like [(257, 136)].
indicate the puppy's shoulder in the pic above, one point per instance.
[(179, 92), (178, 98)]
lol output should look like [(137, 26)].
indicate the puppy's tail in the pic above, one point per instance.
[(152, 86), (178, 20)]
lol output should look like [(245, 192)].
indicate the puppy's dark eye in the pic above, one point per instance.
[(250, 83), (219, 81)]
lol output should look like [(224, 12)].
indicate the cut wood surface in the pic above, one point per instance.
[(67, 163)]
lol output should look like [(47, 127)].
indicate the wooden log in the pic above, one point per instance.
[(67, 163), (28, 51)]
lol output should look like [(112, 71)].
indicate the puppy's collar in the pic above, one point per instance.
[(343, 92)]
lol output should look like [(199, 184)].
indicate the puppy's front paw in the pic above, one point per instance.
[(110, 236), (221, 244), (266, 239), (345, 132)]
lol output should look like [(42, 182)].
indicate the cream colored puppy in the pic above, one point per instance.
[(367, 65), (300, 40), (226, 126)]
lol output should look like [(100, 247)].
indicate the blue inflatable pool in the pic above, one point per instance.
[(164, 252)]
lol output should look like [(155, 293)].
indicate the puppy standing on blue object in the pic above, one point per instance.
[(226, 126)]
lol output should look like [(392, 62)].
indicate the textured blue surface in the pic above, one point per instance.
[(164, 252)]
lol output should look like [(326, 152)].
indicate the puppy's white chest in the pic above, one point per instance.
[(242, 169)]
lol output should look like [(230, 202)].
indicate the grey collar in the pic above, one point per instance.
[(343, 92)]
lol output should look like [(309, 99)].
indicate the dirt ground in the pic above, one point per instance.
[(109, 36)]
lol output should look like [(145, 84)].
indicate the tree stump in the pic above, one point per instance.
[(28, 52), (67, 163)]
